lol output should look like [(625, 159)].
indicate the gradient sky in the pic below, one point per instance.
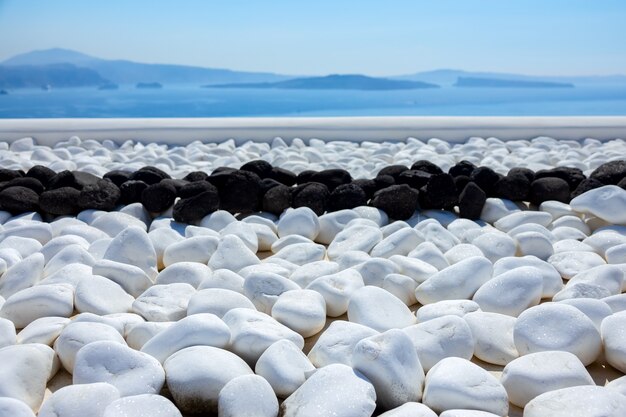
[(542, 37)]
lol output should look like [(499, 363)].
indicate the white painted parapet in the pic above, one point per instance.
[(180, 131)]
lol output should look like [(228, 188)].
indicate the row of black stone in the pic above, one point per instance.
[(398, 190)]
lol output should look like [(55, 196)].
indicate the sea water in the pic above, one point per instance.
[(193, 101)]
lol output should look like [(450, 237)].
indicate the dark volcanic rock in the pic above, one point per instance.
[(262, 168), (131, 191), (305, 176), (117, 177), (312, 195), (512, 187), (196, 176), (194, 188), (178, 184), (157, 198), (471, 201), (149, 174), (42, 173), (84, 179), (426, 166), (369, 186), (267, 184), (460, 182), (486, 178), (572, 176), (384, 181), (223, 170), (193, 209), (586, 185), (439, 193), (239, 191), (393, 171), (103, 195), (64, 179), (9, 174), (28, 182), (610, 172), (398, 201), (60, 201), (550, 188), (283, 176), (332, 178), (414, 178), (19, 200), (346, 196), (528, 173), (277, 199), (462, 168)]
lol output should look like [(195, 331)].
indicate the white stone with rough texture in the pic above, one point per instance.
[(232, 254), (30, 304), (264, 289), (217, 301), (133, 246), (131, 278), (446, 307), (443, 337), (196, 375), (284, 366), (44, 330), (247, 395), (552, 281), (378, 309), (410, 409), (596, 310), (571, 263), (357, 237), (100, 295), (495, 245), (388, 361), (337, 289), (164, 302), (299, 221), (536, 373), (581, 401), (130, 371), (458, 383), (328, 391), (336, 343), (303, 311), (613, 331), (301, 253), (22, 275), (80, 400), (511, 292), (493, 336), (605, 202), (143, 404), (14, 408), (541, 328)]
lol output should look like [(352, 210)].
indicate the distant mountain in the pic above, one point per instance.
[(335, 82), (497, 83), (450, 76), (129, 72), (55, 75)]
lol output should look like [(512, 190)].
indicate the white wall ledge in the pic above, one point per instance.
[(180, 131)]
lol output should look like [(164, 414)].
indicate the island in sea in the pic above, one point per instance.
[(108, 86), (334, 82), (500, 83), (152, 85)]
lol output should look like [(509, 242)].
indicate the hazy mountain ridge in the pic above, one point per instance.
[(472, 82), (336, 82), (57, 75)]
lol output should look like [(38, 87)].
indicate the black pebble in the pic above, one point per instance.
[(131, 191), (550, 188), (85, 178), (277, 199), (414, 178), (462, 168), (528, 173), (610, 172), (28, 182), (149, 174), (393, 171), (398, 201), (60, 202), (157, 198), (426, 166), (460, 181), (267, 184), (196, 176), (369, 186), (312, 195), (239, 192), (283, 176), (9, 174), (572, 176), (384, 181), (486, 179), (63, 179), (103, 195), (19, 200), (471, 201), (304, 176), (439, 193), (195, 188), (42, 173), (346, 196), (223, 170), (262, 168), (117, 177), (332, 178), (512, 187), (178, 184), (586, 185), (193, 209)]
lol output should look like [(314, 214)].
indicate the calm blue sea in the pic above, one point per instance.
[(193, 101)]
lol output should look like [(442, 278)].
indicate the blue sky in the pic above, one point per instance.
[(543, 37)]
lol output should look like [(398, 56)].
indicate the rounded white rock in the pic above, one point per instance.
[(30, 304), (493, 336), (336, 343), (284, 366), (164, 302), (410, 409), (613, 332), (446, 307), (80, 400), (605, 202), (14, 408), (378, 309), (100, 295), (299, 221), (192, 273), (247, 396), (337, 289), (217, 301), (580, 401), (143, 404), (303, 311)]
